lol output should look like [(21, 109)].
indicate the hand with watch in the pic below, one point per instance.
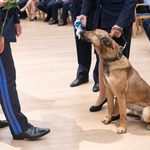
[(116, 31)]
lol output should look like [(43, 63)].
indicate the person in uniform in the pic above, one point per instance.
[(19, 126)]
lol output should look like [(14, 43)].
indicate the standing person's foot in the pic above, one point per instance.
[(3, 123), (77, 82), (96, 87), (97, 108), (32, 133), (62, 23), (53, 22), (47, 19)]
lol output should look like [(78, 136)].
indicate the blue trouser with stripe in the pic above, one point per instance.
[(8, 95)]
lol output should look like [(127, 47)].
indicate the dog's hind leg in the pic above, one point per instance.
[(146, 116), (110, 100), (122, 109), (132, 114)]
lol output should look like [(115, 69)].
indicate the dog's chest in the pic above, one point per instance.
[(108, 77), (105, 70)]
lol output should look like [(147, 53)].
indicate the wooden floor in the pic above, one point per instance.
[(46, 64)]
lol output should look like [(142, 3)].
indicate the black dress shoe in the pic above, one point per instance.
[(53, 22), (77, 82), (113, 118), (32, 133), (96, 87), (3, 123), (62, 23), (97, 108), (47, 19)]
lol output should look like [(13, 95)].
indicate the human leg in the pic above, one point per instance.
[(95, 74), (18, 123), (33, 10), (84, 61), (146, 26), (64, 14), (55, 7), (21, 4), (27, 4), (49, 10), (9, 97), (42, 6)]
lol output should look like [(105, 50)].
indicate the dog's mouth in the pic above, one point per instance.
[(85, 38)]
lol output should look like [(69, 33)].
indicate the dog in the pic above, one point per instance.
[(121, 80)]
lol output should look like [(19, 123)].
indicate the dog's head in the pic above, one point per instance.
[(105, 46)]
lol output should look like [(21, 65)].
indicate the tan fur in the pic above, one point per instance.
[(121, 80)]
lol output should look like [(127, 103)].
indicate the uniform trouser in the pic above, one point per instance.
[(55, 8), (66, 6), (146, 25), (46, 6), (22, 3), (127, 33), (84, 60), (84, 51), (8, 93)]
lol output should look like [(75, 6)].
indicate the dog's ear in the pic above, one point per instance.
[(106, 41)]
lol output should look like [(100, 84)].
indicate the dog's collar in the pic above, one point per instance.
[(119, 55)]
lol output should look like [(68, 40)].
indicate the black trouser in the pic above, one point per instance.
[(66, 6), (8, 95), (55, 8), (46, 6), (84, 50), (146, 26)]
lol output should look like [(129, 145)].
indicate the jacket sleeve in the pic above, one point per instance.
[(126, 13), (0, 19), (16, 18), (87, 7)]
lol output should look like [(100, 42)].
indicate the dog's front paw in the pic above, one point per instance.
[(148, 127), (106, 120), (121, 130)]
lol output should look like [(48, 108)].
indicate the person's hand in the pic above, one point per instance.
[(115, 33), (2, 4), (18, 29), (83, 19), (2, 45)]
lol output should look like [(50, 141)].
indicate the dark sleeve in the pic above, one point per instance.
[(87, 7), (0, 19), (16, 18), (126, 13)]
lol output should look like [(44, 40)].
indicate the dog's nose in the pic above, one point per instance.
[(81, 33)]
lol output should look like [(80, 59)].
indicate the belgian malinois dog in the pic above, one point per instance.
[(121, 79)]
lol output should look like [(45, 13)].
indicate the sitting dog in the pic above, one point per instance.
[(121, 79)]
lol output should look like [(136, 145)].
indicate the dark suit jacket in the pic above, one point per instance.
[(76, 9), (111, 12), (9, 28)]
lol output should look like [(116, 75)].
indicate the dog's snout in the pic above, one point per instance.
[(81, 33)]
